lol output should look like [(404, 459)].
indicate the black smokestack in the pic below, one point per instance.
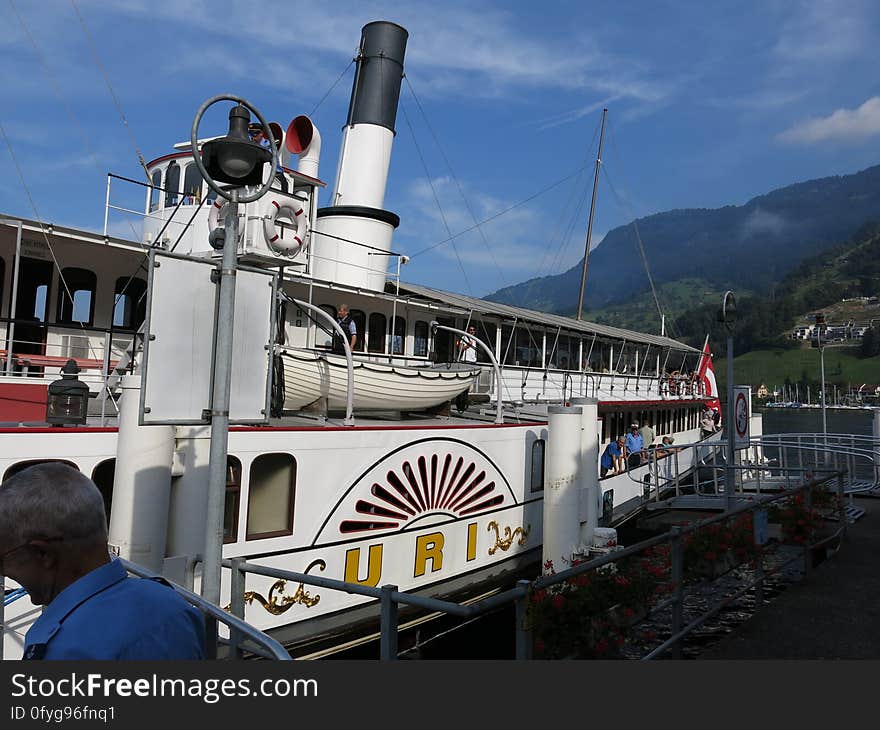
[(376, 88)]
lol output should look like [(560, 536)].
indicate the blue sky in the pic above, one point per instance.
[(709, 104)]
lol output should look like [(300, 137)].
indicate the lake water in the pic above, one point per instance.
[(809, 420)]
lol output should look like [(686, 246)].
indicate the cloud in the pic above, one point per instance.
[(842, 124), (763, 221)]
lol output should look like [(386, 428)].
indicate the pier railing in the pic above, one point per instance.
[(388, 598)]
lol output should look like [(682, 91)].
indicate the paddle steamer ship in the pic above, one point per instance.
[(431, 477)]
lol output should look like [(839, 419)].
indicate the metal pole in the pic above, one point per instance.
[(388, 625), (222, 376), (730, 428), (10, 348), (677, 577), (824, 421), (590, 223), (523, 630)]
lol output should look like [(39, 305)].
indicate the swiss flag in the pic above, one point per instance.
[(706, 373)]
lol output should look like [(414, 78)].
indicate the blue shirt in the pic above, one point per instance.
[(634, 444), (612, 451), (108, 615)]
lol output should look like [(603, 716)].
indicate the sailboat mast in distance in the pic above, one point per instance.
[(590, 223)]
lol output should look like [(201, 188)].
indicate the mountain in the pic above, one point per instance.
[(746, 248), (835, 281)]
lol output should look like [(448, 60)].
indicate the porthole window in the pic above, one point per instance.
[(102, 476), (233, 499), (537, 472), (271, 487)]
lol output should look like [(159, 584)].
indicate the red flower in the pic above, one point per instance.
[(558, 601), (540, 646)]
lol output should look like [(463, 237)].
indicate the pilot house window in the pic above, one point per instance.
[(270, 496), (130, 303)]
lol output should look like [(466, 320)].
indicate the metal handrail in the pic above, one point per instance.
[(389, 597), (214, 615)]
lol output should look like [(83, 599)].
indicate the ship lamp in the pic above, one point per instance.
[(68, 398), (236, 158)]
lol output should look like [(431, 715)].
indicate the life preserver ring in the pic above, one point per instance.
[(281, 241), (217, 218)]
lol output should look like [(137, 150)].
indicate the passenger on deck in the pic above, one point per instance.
[(648, 433), (53, 541), (467, 346), (613, 459), (665, 448), (707, 422), (634, 446), (344, 320)]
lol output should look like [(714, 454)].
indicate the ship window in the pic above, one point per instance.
[(15, 468), (399, 336), (233, 498), (360, 323), (420, 339), (130, 303), (76, 296), (322, 325), (537, 481), (376, 334), (192, 185), (102, 476), (270, 496), (172, 184), (155, 193)]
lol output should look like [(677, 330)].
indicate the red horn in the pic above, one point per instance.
[(299, 134)]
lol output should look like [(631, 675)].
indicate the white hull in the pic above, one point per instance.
[(309, 376)]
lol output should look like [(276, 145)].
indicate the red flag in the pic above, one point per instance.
[(706, 374)]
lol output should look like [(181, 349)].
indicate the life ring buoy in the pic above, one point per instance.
[(217, 218), (275, 239)]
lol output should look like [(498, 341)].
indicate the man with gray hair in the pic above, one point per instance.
[(53, 541)]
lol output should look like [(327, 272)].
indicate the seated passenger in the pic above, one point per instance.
[(665, 447)]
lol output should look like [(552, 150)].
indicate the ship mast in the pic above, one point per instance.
[(590, 224)]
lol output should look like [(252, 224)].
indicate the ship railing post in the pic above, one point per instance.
[(715, 468), (677, 473), (388, 624), (523, 627), (841, 506), (237, 606), (677, 576), (808, 550), (210, 637), (107, 206)]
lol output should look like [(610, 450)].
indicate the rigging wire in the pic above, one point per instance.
[(116, 101), (46, 237), (500, 213), (641, 248), (631, 212), (333, 86), (437, 202), (455, 179), (91, 152)]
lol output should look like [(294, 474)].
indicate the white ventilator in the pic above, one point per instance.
[(589, 491), (562, 470), (352, 239), (141, 483)]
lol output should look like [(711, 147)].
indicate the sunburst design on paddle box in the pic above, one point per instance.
[(454, 484)]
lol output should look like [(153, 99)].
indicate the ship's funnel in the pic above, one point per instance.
[(303, 139), (356, 229)]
